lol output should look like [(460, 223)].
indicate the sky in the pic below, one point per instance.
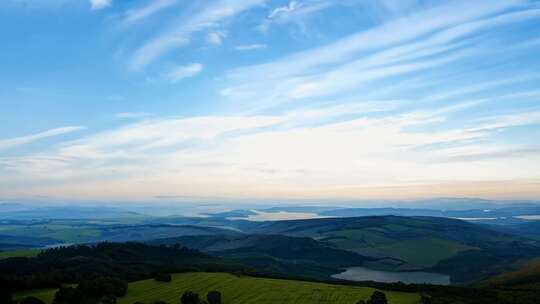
[(267, 99)]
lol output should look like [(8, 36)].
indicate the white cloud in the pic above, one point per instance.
[(19, 141), (133, 115), (100, 4), (185, 71), (405, 45), (509, 120), (294, 11), (153, 7), (216, 37), (272, 155), (387, 34), (179, 33), (251, 47)]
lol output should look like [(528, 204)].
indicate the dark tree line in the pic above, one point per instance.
[(5, 295), (189, 297), (100, 290), (125, 261)]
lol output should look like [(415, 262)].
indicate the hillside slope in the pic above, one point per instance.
[(245, 290), (296, 256), (464, 250)]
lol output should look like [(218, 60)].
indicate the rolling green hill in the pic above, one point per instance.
[(313, 248), (244, 290), (464, 250), (294, 256)]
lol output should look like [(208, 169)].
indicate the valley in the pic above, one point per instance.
[(391, 252)]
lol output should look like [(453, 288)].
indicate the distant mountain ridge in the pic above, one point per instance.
[(67, 212)]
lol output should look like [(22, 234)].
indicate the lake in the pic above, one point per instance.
[(410, 277)]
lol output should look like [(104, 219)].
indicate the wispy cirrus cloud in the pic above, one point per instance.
[(179, 73), (391, 33), (178, 34), (24, 140), (100, 4), (364, 56), (216, 37), (133, 115), (294, 12), (151, 8), (251, 47)]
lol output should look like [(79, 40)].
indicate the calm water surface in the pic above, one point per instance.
[(416, 277)]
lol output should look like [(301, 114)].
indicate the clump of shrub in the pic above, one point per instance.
[(214, 297), (5, 296), (376, 298), (100, 290), (31, 300), (67, 295), (190, 298)]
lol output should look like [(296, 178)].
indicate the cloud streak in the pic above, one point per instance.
[(432, 38), (179, 73), (153, 7), (251, 47), (179, 33), (133, 115), (100, 4), (24, 140)]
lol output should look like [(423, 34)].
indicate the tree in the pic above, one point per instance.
[(361, 302), (426, 299), (67, 295), (213, 297), (377, 298), (102, 287), (5, 296), (107, 300), (190, 298), (31, 300)]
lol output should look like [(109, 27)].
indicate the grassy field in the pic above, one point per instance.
[(380, 242), (19, 253), (245, 290), (46, 295)]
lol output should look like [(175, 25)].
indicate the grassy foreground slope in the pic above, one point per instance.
[(246, 290)]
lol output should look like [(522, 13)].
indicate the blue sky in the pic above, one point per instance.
[(260, 99)]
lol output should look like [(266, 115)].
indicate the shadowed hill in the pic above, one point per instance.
[(299, 256), (464, 250)]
